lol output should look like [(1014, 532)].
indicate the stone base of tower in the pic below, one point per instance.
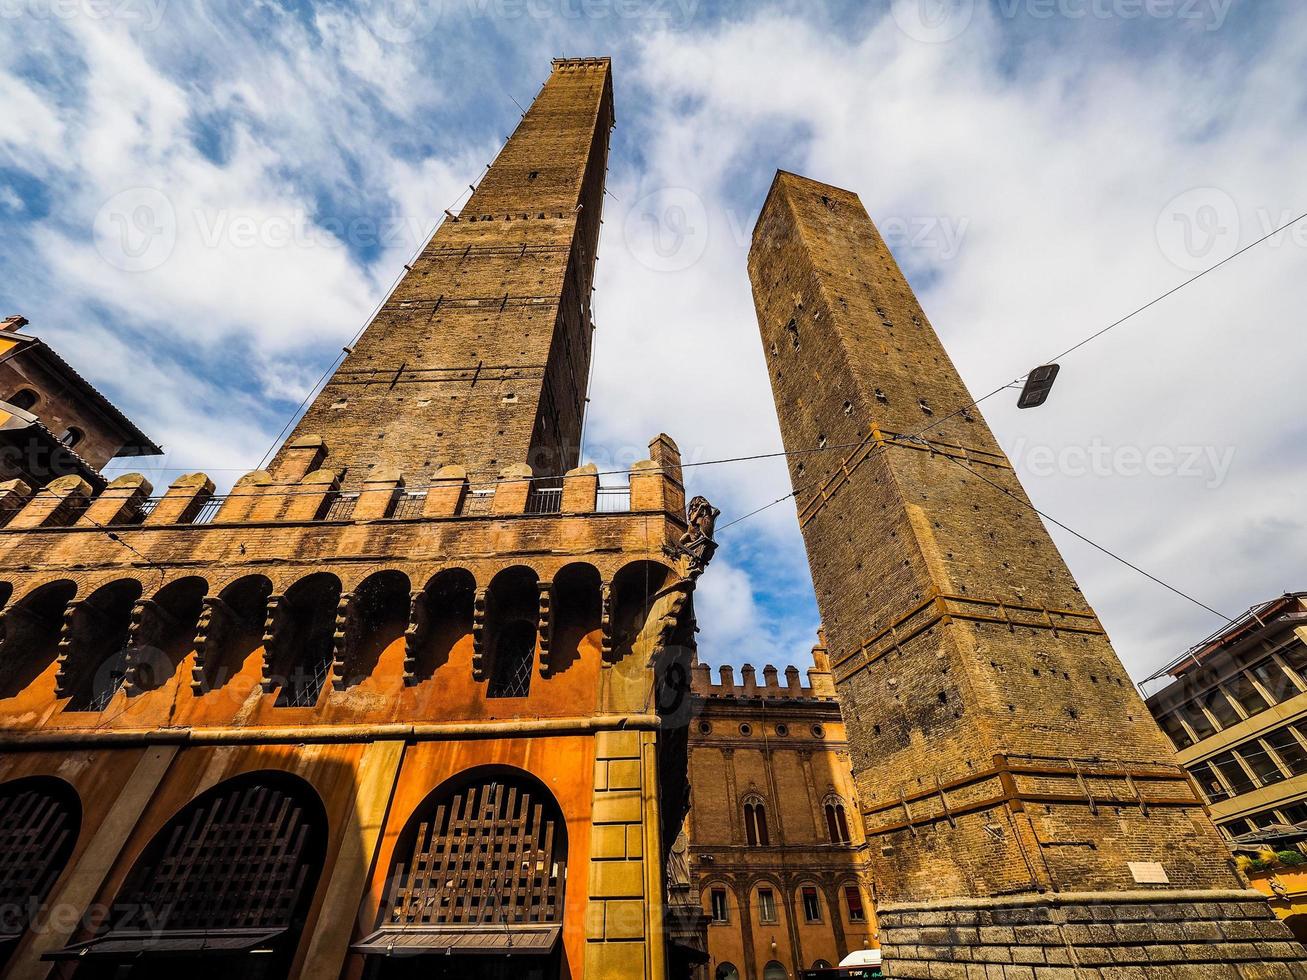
[(1100, 935)]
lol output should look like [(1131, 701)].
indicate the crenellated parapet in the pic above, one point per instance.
[(820, 685), (304, 490)]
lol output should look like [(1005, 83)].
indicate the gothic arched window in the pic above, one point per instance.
[(755, 822), (837, 825)]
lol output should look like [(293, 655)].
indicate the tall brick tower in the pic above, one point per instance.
[(481, 356), (392, 707), (1020, 802)]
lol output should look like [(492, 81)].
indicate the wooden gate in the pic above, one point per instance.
[(482, 873), (38, 828)]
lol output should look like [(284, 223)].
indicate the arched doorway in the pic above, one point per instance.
[(221, 891), (476, 884), (39, 821)]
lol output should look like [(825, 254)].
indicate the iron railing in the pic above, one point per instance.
[(342, 507), (210, 510), (613, 500), (544, 500), (409, 505)]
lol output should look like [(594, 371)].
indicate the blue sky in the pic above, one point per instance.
[(200, 202)]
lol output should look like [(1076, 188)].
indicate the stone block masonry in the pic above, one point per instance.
[(1002, 756), (481, 356)]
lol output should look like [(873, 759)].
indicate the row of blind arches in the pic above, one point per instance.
[(240, 865), (313, 633)]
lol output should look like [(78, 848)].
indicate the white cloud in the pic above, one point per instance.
[(1031, 173)]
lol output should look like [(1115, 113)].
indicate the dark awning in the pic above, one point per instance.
[(520, 939), (1272, 833), (213, 942)]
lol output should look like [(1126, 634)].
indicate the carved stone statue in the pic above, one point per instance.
[(697, 541), (678, 862)]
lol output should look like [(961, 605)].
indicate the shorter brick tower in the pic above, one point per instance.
[(1020, 802)]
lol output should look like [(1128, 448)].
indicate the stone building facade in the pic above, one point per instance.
[(1021, 805), (397, 705), (776, 848)]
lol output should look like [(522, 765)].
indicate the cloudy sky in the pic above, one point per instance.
[(200, 203)]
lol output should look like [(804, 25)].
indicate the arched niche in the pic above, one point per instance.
[(299, 640), (485, 853), (93, 648), (376, 615), (441, 615), (506, 656), (230, 629), (163, 633), (634, 590), (222, 890), (29, 635), (40, 818), (576, 611)]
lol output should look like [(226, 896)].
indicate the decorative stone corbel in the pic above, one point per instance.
[(417, 634), (77, 619), (215, 626), (545, 622), (345, 640), (150, 623), (479, 635), (275, 627), (606, 623)]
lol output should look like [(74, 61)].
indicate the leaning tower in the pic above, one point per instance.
[(1022, 808), (396, 705)]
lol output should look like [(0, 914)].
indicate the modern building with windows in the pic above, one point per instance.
[(1235, 705), (776, 847)]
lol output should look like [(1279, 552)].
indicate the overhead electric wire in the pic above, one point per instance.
[(1089, 541), (917, 436)]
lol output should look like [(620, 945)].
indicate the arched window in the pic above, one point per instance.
[(515, 649), (71, 436), (507, 653), (93, 657), (299, 654), (837, 826), (442, 619), (232, 873), (755, 822), (163, 633), (24, 398), (29, 635), (230, 629), (484, 857), (774, 971), (39, 821), (377, 616), (726, 971)]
